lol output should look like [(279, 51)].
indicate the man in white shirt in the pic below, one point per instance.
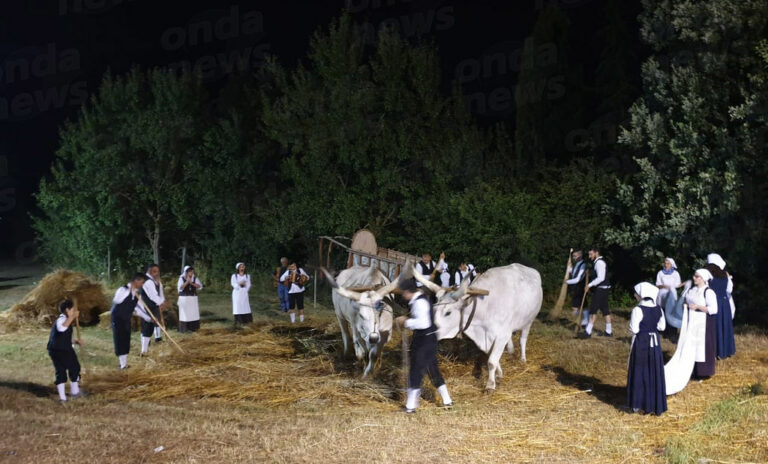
[(153, 296), (576, 283), (298, 279), (600, 287), (423, 346)]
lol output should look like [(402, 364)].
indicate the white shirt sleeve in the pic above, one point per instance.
[(659, 280), (120, 295), (576, 279), (441, 265), (197, 281), (711, 301), (149, 289), (677, 282), (600, 271), (60, 323), (233, 281), (304, 273), (139, 311), (180, 285), (285, 276), (634, 319), (247, 282), (419, 315), (729, 288)]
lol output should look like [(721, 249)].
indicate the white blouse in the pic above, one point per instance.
[(700, 296)]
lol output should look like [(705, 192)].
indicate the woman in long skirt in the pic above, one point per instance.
[(241, 284), (668, 281), (693, 346), (189, 309), (646, 389), (726, 346)]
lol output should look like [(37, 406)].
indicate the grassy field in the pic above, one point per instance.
[(280, 393)]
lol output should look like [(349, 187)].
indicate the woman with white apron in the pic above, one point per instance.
[(700, 302), (668, 281), (241, 284), (189, 310)]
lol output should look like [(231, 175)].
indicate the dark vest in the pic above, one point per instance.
[(607, 281), (579, 266), (60, 341), (188, 290), (426, 268), (124, 310), (149, 302), (651, 316)]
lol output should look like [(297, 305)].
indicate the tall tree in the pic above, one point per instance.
[(693, 149), (121, 168)]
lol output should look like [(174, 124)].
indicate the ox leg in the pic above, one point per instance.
[(494, 357), (523, 339), (359, 346), (344, 326), (510, 345)]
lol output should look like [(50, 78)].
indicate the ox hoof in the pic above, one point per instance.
[(489, 390)]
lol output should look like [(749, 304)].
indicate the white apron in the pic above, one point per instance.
[(189, 311), (240, 303), (690, 346)]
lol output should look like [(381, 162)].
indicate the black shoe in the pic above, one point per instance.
[(409, 411), (448, 405), (584, 335), (158, 340), (605, 334)]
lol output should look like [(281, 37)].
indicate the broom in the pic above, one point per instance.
[(80, 347), (555, 313), (154, 319), (583, 299)]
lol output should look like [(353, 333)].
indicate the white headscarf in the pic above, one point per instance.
[(647, 291), (705, 274), (674, 266), (237, 266), (714, 258), (184, 272)]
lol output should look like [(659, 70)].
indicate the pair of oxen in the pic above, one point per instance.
[(499, 302)]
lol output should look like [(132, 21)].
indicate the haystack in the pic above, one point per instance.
[(39, 308)]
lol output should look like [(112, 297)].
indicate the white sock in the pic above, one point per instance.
[(293, 318), (413, 398), (74, 388), (301, 318), (585, 319), (443, 390), (158, 334), (145, 343), (123, 360), (62, 388), (589, 328), (608, 329)]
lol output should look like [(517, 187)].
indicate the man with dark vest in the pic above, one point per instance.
[(423, 346), (124, 305), (282, 290), (462, 272), (600, 287), (427, 267), (62, 353), (576, 283), (153, 296)]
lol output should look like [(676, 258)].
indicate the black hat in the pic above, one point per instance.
[(408, 285)]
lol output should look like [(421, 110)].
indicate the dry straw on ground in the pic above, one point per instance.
[(40, 306)]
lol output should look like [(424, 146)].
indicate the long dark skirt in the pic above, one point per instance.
[(646, 388), (707, 368), (189, 326), (243, 318), (121, 336)]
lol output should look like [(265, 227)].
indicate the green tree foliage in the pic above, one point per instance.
[(696, 134), (119, 181)]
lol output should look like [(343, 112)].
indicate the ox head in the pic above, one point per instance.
[(448, 309), (370, 306)]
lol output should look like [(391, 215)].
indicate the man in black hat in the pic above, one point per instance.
[(423, 346)]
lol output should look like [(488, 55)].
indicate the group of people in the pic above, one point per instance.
[(441, 272), (704, 314)]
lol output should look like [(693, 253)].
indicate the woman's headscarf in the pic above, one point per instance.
[(672, 269), (237, 267), (184, 272), (704, 274), (716, 259), (647, 291)]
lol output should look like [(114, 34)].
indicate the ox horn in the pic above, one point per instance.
[(433, 287), (341, 290)]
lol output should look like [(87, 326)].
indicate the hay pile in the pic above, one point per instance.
[(270, 365), (39, 308)]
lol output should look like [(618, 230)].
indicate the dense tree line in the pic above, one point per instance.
[(360, 135)]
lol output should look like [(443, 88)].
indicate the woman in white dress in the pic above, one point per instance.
[(189, 310), (241, 284), (700, 302), (668, 281)]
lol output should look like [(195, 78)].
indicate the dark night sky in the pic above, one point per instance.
[(53, 54)]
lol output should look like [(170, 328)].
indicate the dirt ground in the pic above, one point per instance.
[(566, 404)]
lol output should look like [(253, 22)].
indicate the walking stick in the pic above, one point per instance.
[(162, 318), (555, 313), (154, 319), (583, 299), (80, 347), (404, 348)]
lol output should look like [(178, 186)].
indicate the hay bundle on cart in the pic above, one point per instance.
[(40, 307)]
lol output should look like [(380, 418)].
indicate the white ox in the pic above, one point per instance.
[(363, 315), (512, 304)]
